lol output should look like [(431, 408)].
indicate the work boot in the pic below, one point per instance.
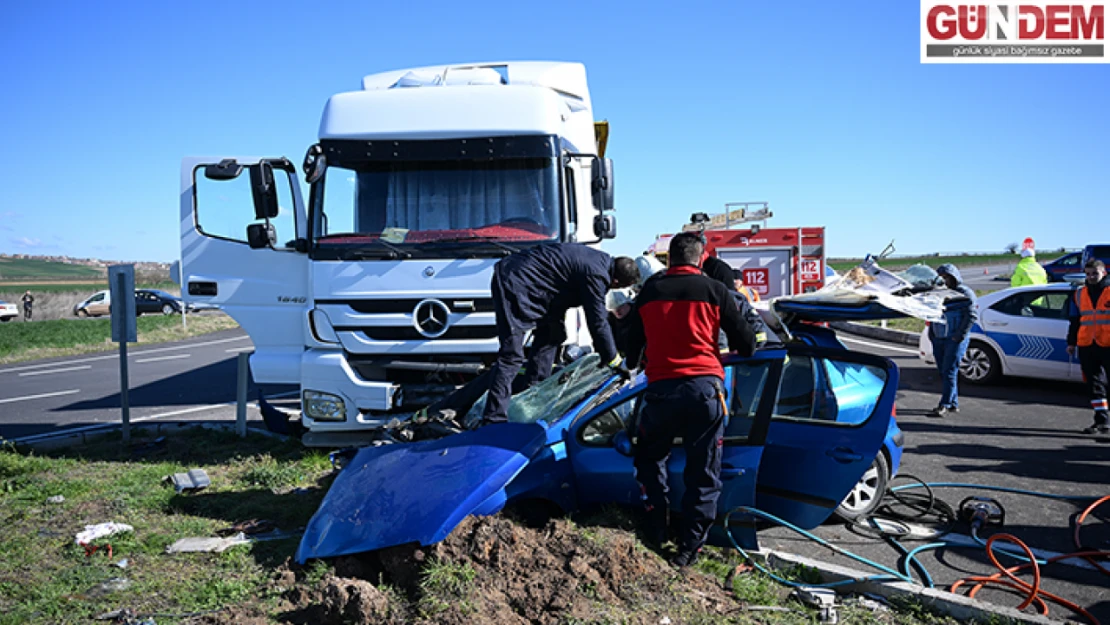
[(1098, 428), (655, 529), (684, 558)]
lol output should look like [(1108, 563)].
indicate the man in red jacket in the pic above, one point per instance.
[(673, 332)]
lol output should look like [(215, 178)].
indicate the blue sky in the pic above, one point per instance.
[(822, 109)]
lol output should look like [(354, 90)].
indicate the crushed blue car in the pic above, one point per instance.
[(808, 424)]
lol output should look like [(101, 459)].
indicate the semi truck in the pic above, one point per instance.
[(374, 294)]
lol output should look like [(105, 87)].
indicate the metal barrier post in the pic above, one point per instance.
[(241, 395)]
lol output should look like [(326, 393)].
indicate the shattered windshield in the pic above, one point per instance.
[(554, 396)]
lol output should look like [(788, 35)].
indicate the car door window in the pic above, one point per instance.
[(1035, 304), (1070, 261), (224, 208), (821, 389), (599, 430), (748, 383)]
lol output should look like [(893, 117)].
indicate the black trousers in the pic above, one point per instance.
[(548, 337), (691, 409), (1094, 361)]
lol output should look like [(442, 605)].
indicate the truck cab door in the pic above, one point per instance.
[(829, 421), (265, 289)]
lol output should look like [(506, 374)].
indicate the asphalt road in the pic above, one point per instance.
[(170, 381), (1022, 434)]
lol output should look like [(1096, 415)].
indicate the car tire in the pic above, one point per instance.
[(6, 319), (867, 493), (980, 364), (167, 309), (82, 313)]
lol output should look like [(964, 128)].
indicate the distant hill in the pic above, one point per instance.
[(33, 270)]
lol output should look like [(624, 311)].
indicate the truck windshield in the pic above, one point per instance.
[(428, 204)]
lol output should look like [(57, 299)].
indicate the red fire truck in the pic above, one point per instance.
[(774, 261)]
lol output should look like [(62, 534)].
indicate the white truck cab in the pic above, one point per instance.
[(375, 296)]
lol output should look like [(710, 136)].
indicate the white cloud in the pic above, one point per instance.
[(26, 242)]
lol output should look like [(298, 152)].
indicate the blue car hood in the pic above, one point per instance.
[(418, 492)]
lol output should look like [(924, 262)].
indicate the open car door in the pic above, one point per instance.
[(242, 222), (828, 423)]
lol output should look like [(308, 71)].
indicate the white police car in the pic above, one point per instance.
[(1021, 332)]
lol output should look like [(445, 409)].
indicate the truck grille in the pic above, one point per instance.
[(405, 333), (372, 306)]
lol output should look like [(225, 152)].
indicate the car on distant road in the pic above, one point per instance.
[(147, 301), (8, 311), (156, 301), (1060, 267), (95, 306), (1021, 332)]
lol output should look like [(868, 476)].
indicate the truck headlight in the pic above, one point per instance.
[(324, 406)]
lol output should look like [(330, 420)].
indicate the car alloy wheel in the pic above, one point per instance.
[(867, 493), (82, 313), (167, 309), (980, 364)]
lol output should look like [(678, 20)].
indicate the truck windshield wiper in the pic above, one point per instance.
[(394, 251), (492, 241)]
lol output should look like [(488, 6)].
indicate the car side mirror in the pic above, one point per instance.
[(605, 226), (264, 191), (261, 235), (623, 443), (601, 174)]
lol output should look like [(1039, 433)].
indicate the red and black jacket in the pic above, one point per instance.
[(676, 322)]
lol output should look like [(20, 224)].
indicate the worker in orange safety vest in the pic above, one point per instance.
[(1089, 335), (749, 294)]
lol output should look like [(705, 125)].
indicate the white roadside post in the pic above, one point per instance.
[(121, 281)]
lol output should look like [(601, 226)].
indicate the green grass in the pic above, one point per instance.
[(46, 578), (33, 269), (897, 263), (61, 337), (11, 292)]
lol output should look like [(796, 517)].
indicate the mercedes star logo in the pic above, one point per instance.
[(429, 271), (430, 318)]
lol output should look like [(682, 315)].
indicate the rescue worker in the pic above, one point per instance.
[(532, 290), (1089, 331), (722, 272), (738, 283), (1028, 270), (950, 338), (673, 332)]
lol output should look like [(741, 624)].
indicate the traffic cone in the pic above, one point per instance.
[(985, 272)]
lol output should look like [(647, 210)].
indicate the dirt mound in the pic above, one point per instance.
[(492, 570)]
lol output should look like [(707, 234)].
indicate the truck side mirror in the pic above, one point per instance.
[(314, 163), (601, 173), (264, 191), (605, 226), (261, 235)]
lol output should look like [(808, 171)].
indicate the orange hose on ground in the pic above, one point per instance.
[(1079, 523), (1033, 591)]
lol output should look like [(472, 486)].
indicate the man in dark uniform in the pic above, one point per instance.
[(722, 272), (532, 290), (1089, 330), (674, 326)]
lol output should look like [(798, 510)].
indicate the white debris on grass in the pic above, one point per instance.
[(101, 530)]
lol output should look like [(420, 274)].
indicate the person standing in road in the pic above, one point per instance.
[(1089, 334), (673, 332), (1028, 270), (533, 290), (28, 300), (950, 338)]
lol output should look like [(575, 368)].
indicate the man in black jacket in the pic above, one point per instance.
[(533, 290), (1089, 331), (673, 331)]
